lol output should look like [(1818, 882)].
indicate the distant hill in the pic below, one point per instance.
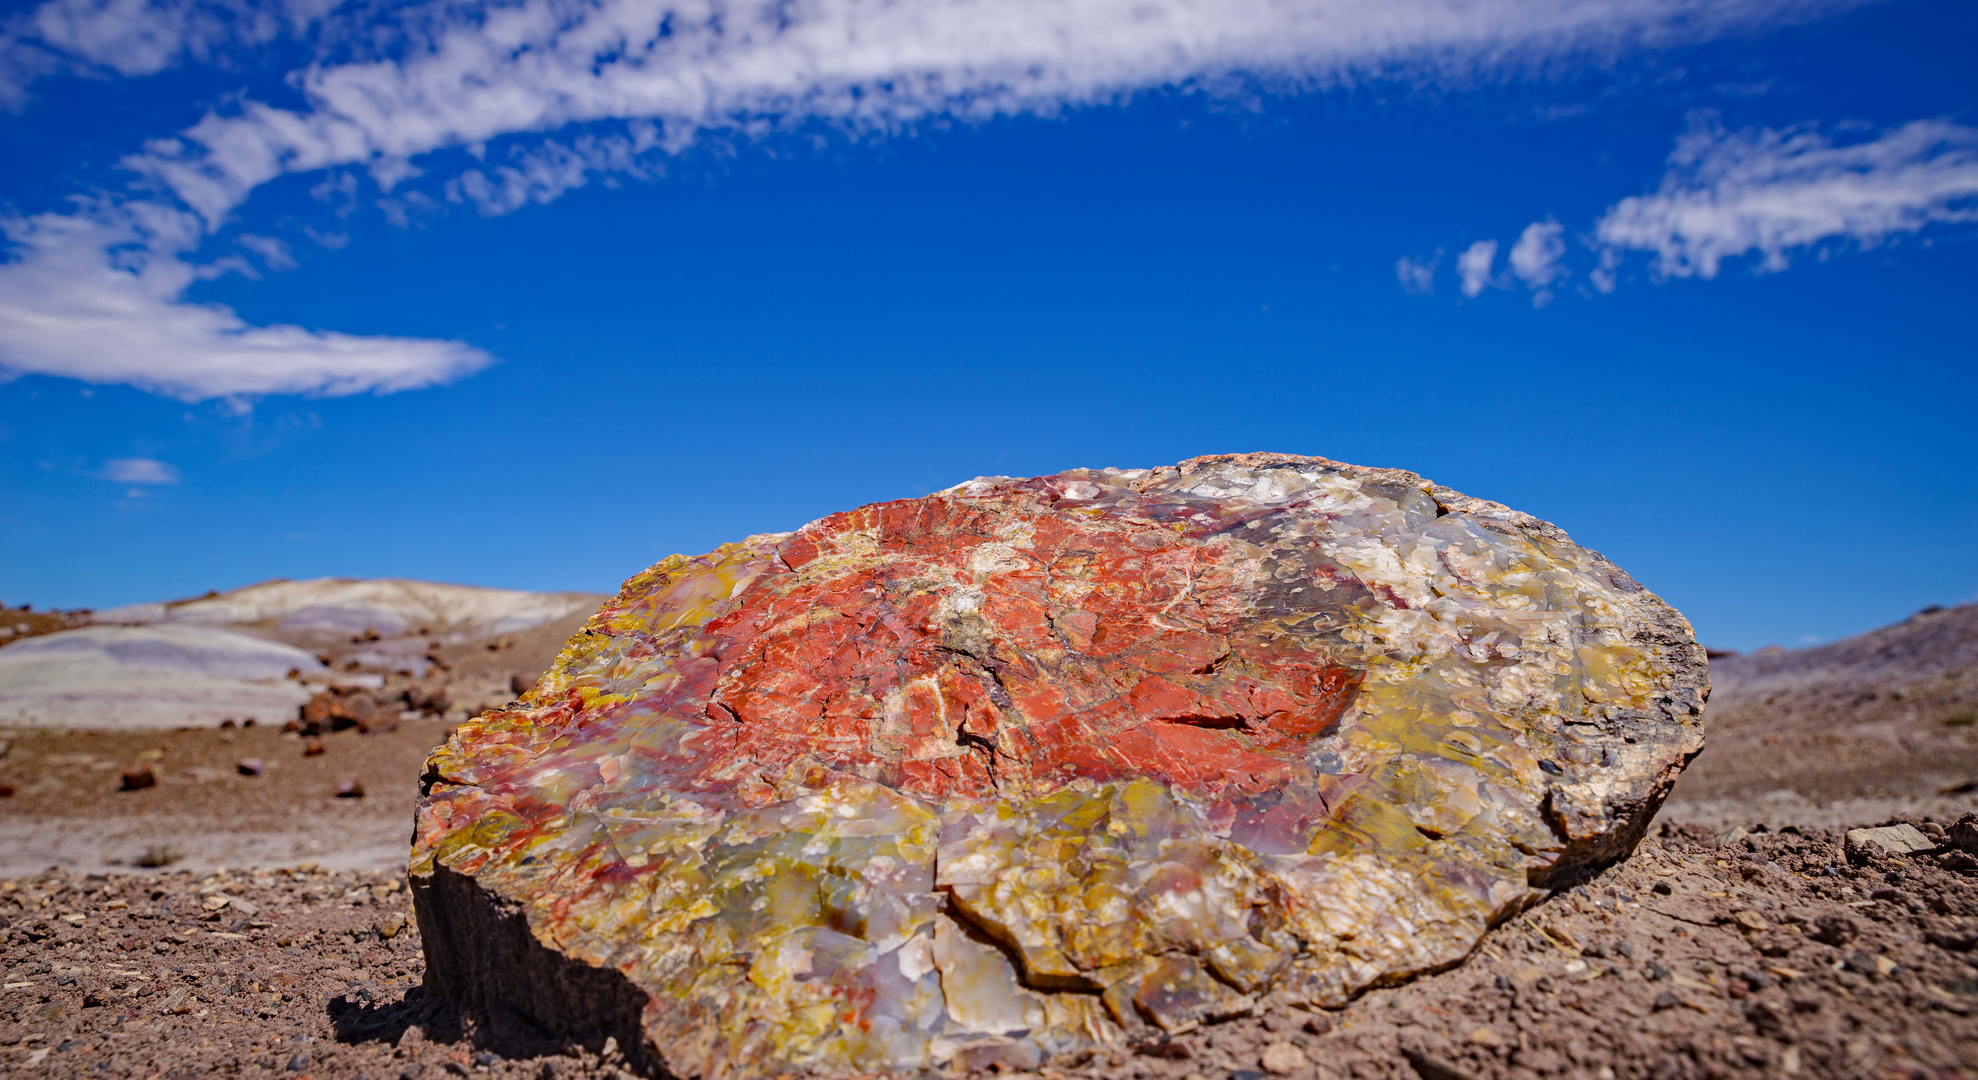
[(389, 607), (1890, 712), (262, 650)]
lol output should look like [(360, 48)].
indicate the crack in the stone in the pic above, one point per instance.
[(987, 933)]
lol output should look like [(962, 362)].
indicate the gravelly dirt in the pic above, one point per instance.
[(67, 808), (1860, 969), (1772, 955)]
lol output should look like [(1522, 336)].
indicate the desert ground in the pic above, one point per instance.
[(237, 915)]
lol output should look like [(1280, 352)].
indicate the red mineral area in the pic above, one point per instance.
[(1115, 652)]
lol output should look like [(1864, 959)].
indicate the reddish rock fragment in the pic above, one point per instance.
[(137, 777)]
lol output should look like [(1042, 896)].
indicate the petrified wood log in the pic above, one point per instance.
[(1030, 768)]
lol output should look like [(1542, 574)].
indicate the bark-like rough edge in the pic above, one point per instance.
[(1686, 687), (482, 960)]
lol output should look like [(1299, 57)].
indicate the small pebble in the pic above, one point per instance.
[(1284, 1059), (139, 776)]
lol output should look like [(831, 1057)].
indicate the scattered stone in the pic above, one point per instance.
[(1429, 1067), (1484, 1036), (139, 776), (1661, 888), (1667, 999), (1526, 977), (1963, 834), (1284, 1059), (431, 699), (1835, 930), (1902, 839), (1874, 965), (1953, 940), (250, 766), (312, 746), (1750, 920), (350, 788), (1307, 703), (1765, 1017), (342, 707), (390, 927), (1164, 1048), (158, 855)]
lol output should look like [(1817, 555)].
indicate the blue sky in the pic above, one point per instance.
[(533, 294)]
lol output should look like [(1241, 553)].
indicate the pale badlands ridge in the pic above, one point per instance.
[(236, 655)]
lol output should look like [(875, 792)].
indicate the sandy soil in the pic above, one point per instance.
[(68, 808), (1892, 713)]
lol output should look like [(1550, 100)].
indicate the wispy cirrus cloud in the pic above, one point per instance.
[(483, 71), (1760, 194), (1767, 194), (574, 88), (137, 37)]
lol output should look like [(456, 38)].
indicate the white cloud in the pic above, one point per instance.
[(541, 173), (1767, 193), (139, 470), (138, 37), (1418, 276), (275, 253), (80, 300), (533, 67), (98, 296), (1538, 259), (1473, 266), (1754, 192)]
